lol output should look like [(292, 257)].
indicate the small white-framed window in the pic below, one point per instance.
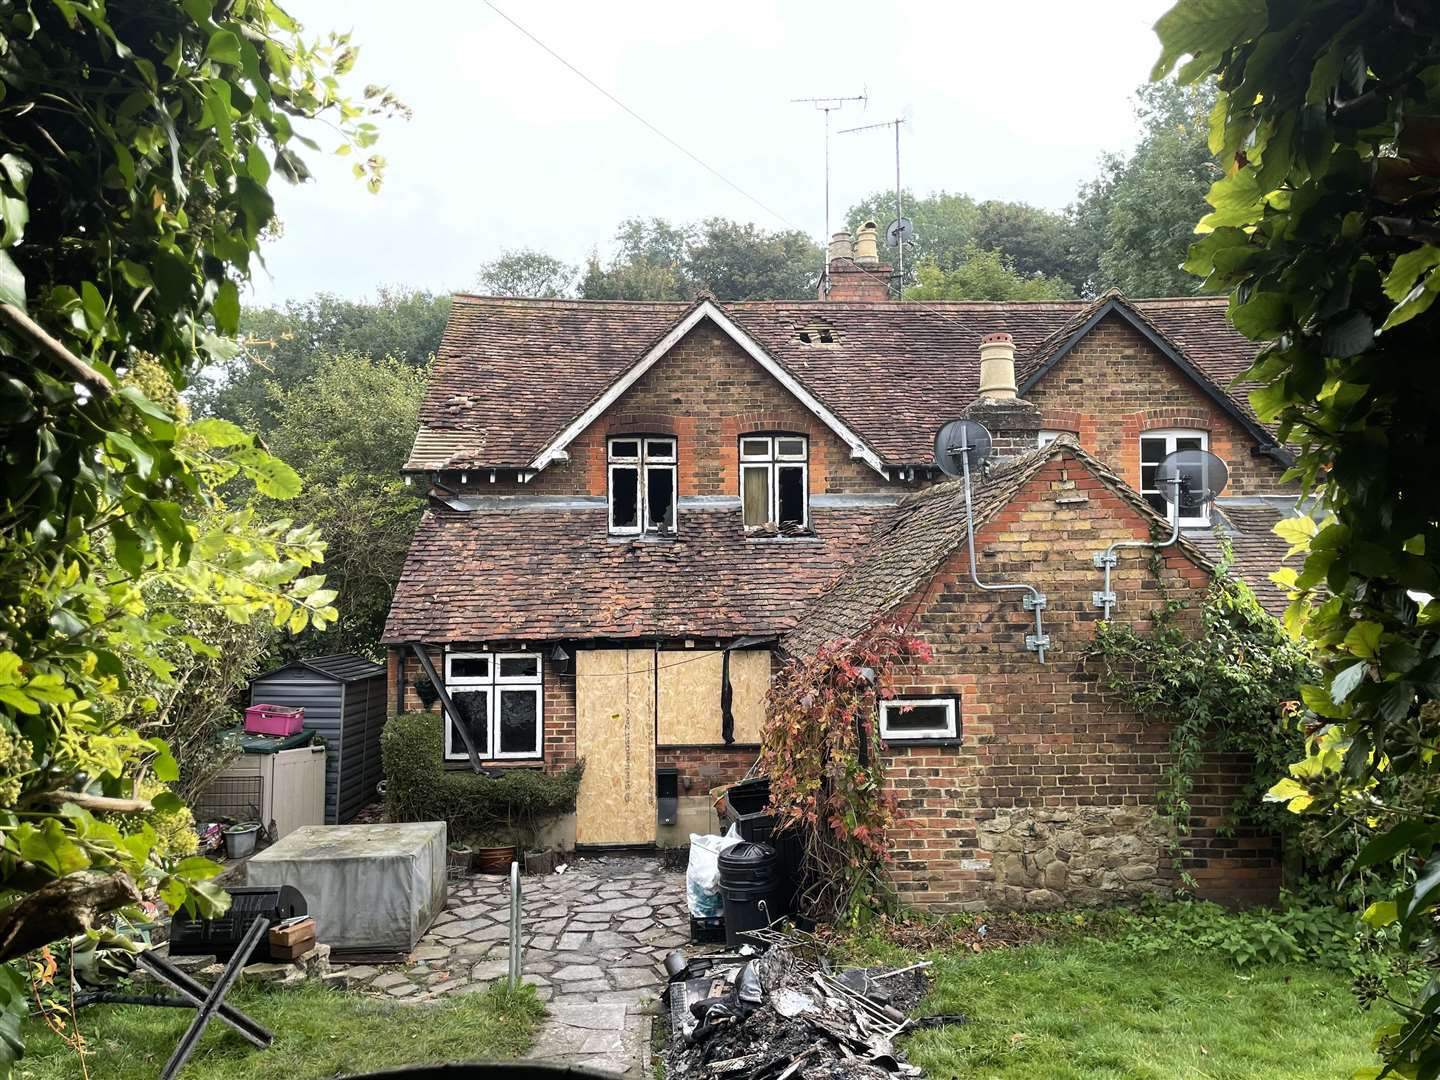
[(642, 484), (905, 719), (1155, 447), (500, 698), (1045, 438), (775, 480)]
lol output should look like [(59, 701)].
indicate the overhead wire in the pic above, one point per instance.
[(656, 130)]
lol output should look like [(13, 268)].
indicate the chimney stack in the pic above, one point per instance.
[(1013, 422), (858, 273), (997, 366)]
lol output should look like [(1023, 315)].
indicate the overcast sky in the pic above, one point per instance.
[(508, 149)]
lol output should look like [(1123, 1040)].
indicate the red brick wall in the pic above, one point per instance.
[(707, 392), (1114, 385), (1050, 794)]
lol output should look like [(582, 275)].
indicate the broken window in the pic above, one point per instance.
[(774, 480), (642, 485), (1155, 447), (904, 719), (500, 699)]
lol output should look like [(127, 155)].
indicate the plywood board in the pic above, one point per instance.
[(689, 701), (615, 734)]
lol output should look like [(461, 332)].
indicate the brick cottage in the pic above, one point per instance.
[(637, 510)]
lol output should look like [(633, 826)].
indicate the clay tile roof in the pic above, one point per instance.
[(544, 574), (921, 534), (510, 375), (1255, 549)]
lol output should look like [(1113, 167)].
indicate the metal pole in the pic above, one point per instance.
[(514, 925), (900, 247), (1108, 558), (1035, 598)]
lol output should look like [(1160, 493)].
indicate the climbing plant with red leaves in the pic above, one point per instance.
[(820, 750)]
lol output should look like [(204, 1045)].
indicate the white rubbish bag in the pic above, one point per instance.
[(702, 877)]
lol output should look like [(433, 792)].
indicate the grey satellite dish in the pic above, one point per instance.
[(900, 231), (1201, 477), (957, 439)]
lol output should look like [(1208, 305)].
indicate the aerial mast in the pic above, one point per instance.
[(827, 105), (900, 229)]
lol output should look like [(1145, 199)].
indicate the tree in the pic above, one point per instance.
[(525, 272), (134, 188), (1325, 233), (1035, 242), (655, 260), (1133, 224), (349, 427), (980, 274), (283, 346)]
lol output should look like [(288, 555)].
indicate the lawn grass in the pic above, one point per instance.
[(1082, 1008), (318, 1033)]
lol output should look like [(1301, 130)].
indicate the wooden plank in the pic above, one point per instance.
[(689, 703), (615, 734)]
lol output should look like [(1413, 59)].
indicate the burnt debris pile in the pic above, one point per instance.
[(777, 1009)]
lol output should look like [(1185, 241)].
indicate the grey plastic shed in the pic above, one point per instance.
[(344, 701)]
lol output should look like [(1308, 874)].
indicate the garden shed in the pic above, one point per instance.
[(344, 701)]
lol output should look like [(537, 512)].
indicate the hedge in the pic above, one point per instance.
[(475, 807)]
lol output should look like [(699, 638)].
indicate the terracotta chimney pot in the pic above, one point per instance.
[(866, 251), (839, 247), (997, 366)]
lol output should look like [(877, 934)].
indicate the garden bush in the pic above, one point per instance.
[(475, 807)]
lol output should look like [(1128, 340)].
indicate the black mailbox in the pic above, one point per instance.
[(667, 794)]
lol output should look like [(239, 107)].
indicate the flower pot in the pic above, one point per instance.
[(541, 862), (240, 840), (494, 860), (459, 858)]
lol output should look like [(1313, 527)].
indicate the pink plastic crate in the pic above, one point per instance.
[(273, 720)]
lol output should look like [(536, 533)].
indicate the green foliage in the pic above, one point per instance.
[(134, 189), (820, 749), (1136, 220), (655, 260), (349, 427), (982, 275), (1222, 686), (280, 348), (949, 227), (526, 272), (474, 807), (1323, 231), (319, 1033)]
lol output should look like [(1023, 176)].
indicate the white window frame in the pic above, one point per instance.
[(951, 730), (1045, 438), (773, 460), (1170, 436), (496, 685), (644, 463)]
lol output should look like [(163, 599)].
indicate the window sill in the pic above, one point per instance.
[(942, 741), (643, 538), (498, 763)]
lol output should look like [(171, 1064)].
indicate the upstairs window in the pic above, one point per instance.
[(1045, 438), (1155, 446), (642, 485), (499, 698), (774, 480)]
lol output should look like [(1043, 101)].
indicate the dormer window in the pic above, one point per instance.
[(642, 484), (1155, 446), (774, 480)]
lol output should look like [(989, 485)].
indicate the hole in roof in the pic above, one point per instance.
[(817, 334)]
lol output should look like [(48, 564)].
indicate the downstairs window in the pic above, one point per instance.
[(913, 719), (500, 699)]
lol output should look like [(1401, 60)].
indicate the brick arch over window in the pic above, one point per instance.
[(795, 421)]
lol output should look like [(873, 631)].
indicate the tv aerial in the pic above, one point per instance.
[(959, 446), (1188, 481), (901, 230)]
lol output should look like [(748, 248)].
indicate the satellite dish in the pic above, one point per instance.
[(1202, 477), (900, 231), (957, 439)]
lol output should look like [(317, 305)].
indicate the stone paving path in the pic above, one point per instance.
[(595, 938)]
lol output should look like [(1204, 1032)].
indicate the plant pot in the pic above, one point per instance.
[(494, 860), (240, 840), (459, 858), (541, 862)]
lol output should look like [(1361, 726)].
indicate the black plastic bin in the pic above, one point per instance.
[(749, 796), (751, 883), (761, 829)]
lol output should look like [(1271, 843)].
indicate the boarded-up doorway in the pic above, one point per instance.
[(615, 734)]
